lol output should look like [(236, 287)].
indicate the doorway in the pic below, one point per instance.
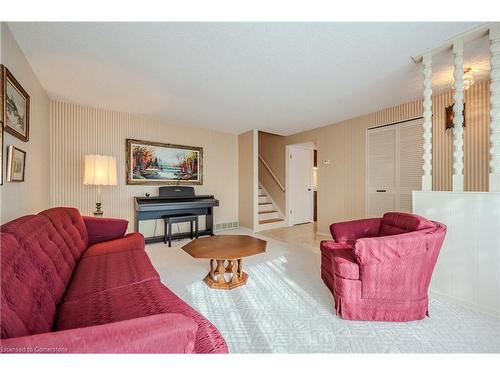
[(300, 184)]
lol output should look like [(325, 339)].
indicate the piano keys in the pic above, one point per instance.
[(175, 200)]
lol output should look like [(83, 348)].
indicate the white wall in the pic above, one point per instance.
[(32, 195), (468, 265), (77, 130)]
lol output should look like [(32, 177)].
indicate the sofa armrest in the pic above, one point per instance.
[(350, 231), (104, 229), (162, 333), (129, 242), (391, 248), (329, 245)]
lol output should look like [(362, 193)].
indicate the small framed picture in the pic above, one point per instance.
[(16, 106), (16, 164), (1, 153)]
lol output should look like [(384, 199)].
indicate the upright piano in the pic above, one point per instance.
[(175, 200)]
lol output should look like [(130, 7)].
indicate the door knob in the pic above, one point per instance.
[(308, 189)]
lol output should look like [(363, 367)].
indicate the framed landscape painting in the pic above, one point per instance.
[(156, 163), (16, 106)]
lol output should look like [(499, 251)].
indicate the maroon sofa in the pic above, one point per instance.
[(78, 284), (380, 269)]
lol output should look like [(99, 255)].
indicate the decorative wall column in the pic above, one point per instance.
[(458, 118), (494, 182), (427, 125)]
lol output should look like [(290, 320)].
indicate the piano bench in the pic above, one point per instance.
[(174, 219)]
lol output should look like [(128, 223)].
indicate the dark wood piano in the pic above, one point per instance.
[(175, 200)]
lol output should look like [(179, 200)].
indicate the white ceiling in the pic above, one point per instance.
[(278, 77)]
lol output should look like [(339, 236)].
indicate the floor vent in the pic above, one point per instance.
[(223, 226)]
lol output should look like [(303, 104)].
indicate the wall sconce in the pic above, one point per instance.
[(468, 78), (449, 116)]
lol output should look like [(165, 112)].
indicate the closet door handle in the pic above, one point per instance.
[(381, 191)]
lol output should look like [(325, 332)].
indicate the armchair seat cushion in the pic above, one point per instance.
[(99, 273), (340, 259), (130, 302)]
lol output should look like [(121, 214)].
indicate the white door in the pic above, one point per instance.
[(300, 185), (381, 184)]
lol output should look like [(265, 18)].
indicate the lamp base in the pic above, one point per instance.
[(98, 211)]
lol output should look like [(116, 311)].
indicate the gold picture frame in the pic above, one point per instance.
[(155, 163), (15, 106)]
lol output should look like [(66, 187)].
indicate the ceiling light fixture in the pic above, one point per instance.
[(468, 78)]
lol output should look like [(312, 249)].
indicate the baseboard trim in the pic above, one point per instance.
[(472, 306)]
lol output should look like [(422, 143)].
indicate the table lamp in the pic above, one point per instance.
[(99, 170)]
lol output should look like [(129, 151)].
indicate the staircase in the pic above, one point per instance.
[(269, 215)]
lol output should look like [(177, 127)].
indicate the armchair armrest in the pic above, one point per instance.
[(391, 248), (350, 231), (329, 245), (162, 333), (104, 229)]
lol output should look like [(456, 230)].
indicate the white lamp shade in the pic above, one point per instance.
[(100, 170)]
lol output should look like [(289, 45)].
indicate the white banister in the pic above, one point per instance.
[(494, 181), (427, 125), (458, 118)]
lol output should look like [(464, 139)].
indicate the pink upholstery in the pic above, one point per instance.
[(28, 306), (162, 333), (350, 231), (400, 222), (394, 271), (129, 242), (98, 273), (59, 292), (70, 226), (104, 229)]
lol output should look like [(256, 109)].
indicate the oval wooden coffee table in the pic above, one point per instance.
[(228, 252)]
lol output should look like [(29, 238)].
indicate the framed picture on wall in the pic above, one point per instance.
[(1, 155), (1, 124), (450, 115), (16, 106), (156, 163), (16, 164)]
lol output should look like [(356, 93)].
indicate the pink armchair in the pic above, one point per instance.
[(380, 269)]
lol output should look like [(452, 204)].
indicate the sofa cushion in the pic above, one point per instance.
[(98, 273), (400, 222), (142, 299), (27, 305), (131, 242), (47, 249), (340, 260), (70, 226)]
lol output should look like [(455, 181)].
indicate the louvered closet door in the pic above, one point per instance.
[(409, 168), (381, 158)]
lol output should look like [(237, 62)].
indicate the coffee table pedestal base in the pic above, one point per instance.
[(226, 274)]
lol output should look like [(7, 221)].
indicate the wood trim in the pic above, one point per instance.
[(273, 175), (129, 181), (7, 76)]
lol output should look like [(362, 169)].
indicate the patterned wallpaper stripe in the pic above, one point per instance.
[(77, 130)]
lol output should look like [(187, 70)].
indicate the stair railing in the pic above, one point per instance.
[(271, 173)]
